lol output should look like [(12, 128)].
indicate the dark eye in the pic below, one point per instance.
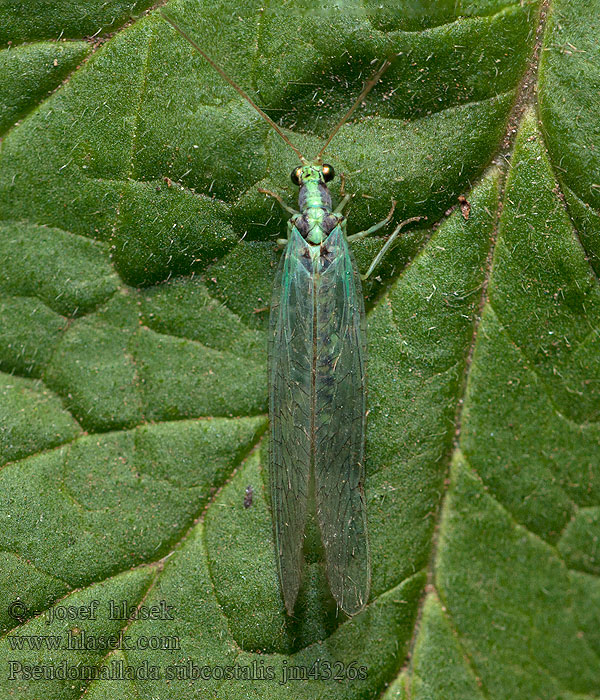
[(296, 176), (328, 173)]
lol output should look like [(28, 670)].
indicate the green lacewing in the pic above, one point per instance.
[(317, 379)]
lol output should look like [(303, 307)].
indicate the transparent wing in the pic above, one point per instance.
[(340, 424), (290, 405)]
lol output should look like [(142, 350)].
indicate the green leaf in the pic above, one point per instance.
[(29, 73), (138, 258), (40, 19)]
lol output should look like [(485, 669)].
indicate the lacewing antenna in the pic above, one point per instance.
[(233, 84), (369, 85)]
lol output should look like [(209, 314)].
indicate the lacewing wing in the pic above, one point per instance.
[(317, 362)]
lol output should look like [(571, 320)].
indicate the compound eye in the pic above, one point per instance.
[(328, 173), (296, 172)]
